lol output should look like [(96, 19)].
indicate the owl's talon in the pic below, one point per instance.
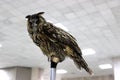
[(55, 59)]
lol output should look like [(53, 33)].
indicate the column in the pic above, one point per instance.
[(23, 73), (36, 74)]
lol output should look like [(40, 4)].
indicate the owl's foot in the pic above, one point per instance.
[(55, 59)]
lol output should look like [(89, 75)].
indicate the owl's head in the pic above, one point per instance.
[(35, 19)]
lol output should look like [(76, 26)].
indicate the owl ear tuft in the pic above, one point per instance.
[(40, 13), (28, 16)]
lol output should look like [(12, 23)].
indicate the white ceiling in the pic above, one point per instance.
[(94, 23)]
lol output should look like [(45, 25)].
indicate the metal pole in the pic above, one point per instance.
[(53, 71), (53, 74)]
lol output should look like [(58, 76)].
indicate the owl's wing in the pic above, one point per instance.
[(61, 37)]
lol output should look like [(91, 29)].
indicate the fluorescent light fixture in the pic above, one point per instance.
[(0, 45), (61, 26), (88, 51), (61, 71), (105, 66)]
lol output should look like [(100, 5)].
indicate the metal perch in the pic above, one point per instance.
[(53, 71)]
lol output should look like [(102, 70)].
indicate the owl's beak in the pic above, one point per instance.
[(33, 24)]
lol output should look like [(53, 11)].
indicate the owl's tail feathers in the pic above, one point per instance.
[(80, 62)]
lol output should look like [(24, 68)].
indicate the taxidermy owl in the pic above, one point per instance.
[(54, 42)]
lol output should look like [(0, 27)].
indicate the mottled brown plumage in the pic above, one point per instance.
[(55, 43)]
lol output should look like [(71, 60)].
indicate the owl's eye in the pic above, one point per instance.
[(30, 22), (36, 20), (33, 20)]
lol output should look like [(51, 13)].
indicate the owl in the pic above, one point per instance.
[(54, 42)]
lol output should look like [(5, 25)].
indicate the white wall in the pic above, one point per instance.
[(15, 73), (8, 74), (105, 77)]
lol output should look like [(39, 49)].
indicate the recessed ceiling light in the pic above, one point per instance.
[(0, 45), (61, 71), (88, 51), (61, 26), (105, 66)]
